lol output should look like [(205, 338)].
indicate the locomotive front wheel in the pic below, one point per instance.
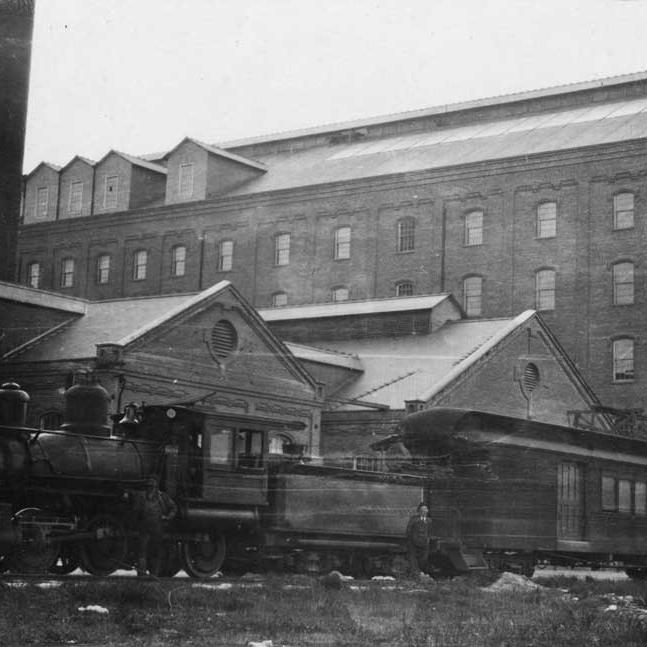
[(106, 551), (203, 556)]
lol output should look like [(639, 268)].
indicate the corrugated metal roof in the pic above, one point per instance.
[(506, 138), (359, 307), (414, 367)]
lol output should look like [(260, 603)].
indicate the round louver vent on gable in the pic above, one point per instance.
[(530, 378), (224, 339)]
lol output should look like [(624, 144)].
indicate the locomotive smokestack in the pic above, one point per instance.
[(13, 405)]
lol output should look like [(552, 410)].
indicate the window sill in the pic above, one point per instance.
[(621, 382), (405, 251)]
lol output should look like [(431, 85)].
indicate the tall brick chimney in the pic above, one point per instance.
[(16, 27)]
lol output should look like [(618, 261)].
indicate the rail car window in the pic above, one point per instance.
[(640, 498), (608, 493), (624, 495), (249, 448), (221, 446)]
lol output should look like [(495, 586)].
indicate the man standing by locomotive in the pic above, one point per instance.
[(418, 541), (151, 508)]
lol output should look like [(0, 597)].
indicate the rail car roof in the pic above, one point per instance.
[(425, 432)]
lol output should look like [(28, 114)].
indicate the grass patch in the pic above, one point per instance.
[(301, 612)]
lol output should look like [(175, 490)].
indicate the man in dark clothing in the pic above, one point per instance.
[(418, 540), (152, 508)]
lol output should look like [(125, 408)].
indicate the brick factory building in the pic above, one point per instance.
[(529, 201)]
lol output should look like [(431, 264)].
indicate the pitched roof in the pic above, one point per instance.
[(514, 97), (418, 366), (358, 307), (85, 160), (49, 165), (479, 141), (103, 322), (158, 168), (221, 152), (41, 298)]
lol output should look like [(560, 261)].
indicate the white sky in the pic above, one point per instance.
[(139, 75)]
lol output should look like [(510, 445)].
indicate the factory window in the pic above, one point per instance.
[(140, 259), (474, 228), (341, 249), (225, 255), (103, 268), (340, 293), (473, 296), (404, 289), (178, 260), (623, 210), (33, 275), (279, 299), (406, 234), (545, 290), (609, 493), (640, 498), (282, 249), (249, 448), (76, 198), (67, 273), (42, 203), (547, 220), (623, 283), (110, 192), (185, 180), (623, 360)]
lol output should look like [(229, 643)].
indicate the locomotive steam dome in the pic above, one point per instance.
[(86, 410), (13, 405)]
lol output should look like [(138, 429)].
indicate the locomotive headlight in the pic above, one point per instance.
[(171, 413)]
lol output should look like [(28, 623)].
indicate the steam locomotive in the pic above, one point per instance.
[(503, 493), (63, 503)]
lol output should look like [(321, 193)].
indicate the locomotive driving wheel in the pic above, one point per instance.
[(105, 551), (203, 556), (35, 553)]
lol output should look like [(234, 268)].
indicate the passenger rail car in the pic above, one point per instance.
[(525, 492)]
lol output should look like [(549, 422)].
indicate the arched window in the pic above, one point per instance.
[(547, 220), (403, 289), (474, 228), (473, 296), (178, 260), (623, 210), (279, 299), (341, 248), (33, 275), (225, 255), (340, 293), (545, 289), (140, 260), (67, 273), (103, 269), (623, 360), (406, 234), (623, 283)]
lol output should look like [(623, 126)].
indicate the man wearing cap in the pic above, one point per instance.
[(418, 540)]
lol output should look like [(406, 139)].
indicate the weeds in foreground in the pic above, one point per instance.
[(445, 614)]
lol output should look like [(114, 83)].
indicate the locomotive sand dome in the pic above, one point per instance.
[(86, 410)]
